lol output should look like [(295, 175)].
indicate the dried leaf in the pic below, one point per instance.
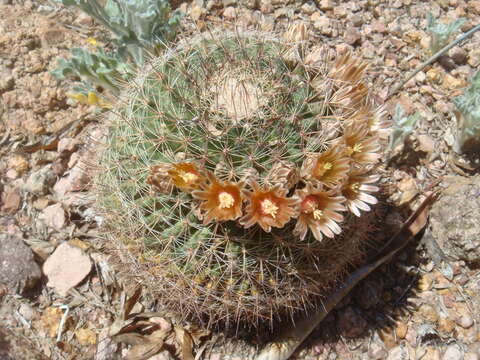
[(144, 351), (129, 338), (143, 347), (51, 320), (186, 343), (86, 336), (131, 302)]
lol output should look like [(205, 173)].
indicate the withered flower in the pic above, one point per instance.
[(268, 207), (160, 179), (373, 117), (362, 147), (348, 68), (221, 200), (329, 167), (319, 213), (282, 173), (356, 190), (186, 176)]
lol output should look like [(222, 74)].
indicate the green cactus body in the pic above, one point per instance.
[(229, 108)]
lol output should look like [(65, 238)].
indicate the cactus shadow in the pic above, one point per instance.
[(373, 308)]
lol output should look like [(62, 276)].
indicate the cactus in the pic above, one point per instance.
[(237, 176)]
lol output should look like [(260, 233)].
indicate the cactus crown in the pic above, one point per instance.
[(234, 166)]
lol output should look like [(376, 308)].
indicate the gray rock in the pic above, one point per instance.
[(40, 181), (399, 352), (18, 270), (454, 219), (453, 352)]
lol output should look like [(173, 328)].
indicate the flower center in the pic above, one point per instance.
[(317, 214), (225, 200), (322, 168), (357, 147), (355, 187), (309, 205), (188, 177), (269, 208)]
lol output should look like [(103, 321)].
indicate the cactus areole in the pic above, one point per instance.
[(239, 176)]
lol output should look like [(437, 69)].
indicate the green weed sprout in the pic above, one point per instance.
[(402, 127), (141, 28), (467, 137), (441, 33)]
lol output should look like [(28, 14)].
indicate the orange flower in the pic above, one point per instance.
[(319, 213), (268, 207), (186, 176), (356, 190), (329, 167), (360, 146), (221, 200)]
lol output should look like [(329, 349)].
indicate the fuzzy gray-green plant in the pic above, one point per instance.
[(402, 126), (441, 33), (237, 176), (141, 28), (467, 134)]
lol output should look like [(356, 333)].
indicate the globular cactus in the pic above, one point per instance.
[(238, 176)]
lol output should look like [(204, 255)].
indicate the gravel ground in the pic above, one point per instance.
[(424, 305)]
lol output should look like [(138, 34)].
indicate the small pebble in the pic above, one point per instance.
[(465, 321), (453, 352)]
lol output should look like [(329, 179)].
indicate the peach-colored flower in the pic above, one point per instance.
[(268, 207), (356, 190), (186, 176), (319, 213), (221, 200), (329, 167), (362, 147)]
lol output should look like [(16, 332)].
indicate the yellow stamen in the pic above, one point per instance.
[(317, 214), (309, 206), (355, 187), (327, 165), (269, 208), (92, 41), (225, 200), (188, 177), (357, 147)]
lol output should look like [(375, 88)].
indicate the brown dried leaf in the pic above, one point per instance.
[(144, 351), (186, 343), (143, 347), (129, 338), (131, 302)]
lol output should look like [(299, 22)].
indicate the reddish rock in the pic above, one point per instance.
[(11, 200)]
